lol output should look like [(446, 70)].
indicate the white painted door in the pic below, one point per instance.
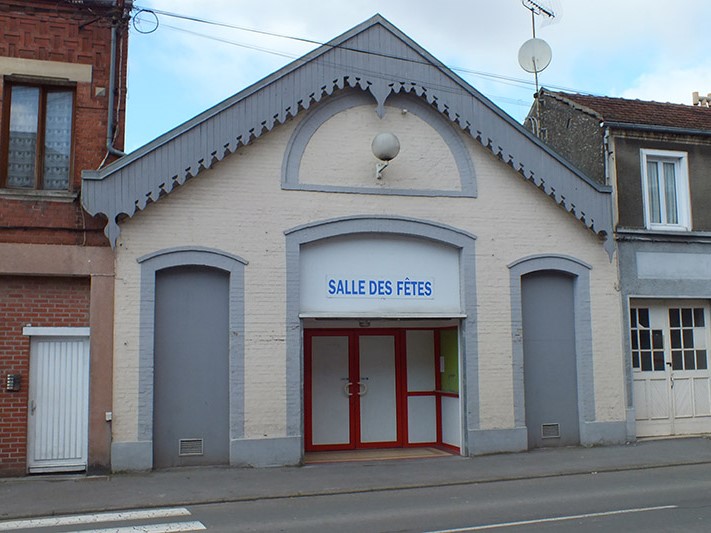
[(377, 389), (351, 398), (672, 385), (421, 386), (330, 391), (58, 404)]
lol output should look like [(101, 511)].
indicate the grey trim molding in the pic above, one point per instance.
[(545, 257), (131, 456), (195, 253), (683, 237), (631, 425), (583, 332), (184, 256), (349, 99), (655, 129), (423, 229), (486, 441), (285, 451), (374, 56), (603, 433), (386, 224)]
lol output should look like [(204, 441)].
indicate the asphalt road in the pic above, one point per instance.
[(659, 499), (663, 499)]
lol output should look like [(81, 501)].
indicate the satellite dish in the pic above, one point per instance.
[(534, 55)]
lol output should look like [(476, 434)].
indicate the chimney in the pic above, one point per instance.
[(703, 101)]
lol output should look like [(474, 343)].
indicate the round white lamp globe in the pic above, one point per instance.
[(385, 146)]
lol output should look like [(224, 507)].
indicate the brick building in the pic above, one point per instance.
[(62, 85)]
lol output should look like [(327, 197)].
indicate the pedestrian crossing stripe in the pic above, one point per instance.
[(96, 518), (153, 528)]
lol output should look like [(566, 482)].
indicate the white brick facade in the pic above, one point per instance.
[(240, 207)]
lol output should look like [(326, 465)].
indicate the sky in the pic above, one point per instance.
[(650, 50)]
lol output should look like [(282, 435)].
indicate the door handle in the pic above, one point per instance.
[(362, 388), (347, 389), (33, 407)]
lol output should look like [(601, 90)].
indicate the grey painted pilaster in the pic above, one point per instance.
[(131, 456), (486, 441), (286, 451)]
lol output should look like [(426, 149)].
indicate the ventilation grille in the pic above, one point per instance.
[(550, 431), (190, 447)]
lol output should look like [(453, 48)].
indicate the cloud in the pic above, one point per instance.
[(670, 85), (636, 48)]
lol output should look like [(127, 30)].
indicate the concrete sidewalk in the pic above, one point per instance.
[(49, 495)]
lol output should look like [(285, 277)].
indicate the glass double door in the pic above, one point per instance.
[(352, 390)]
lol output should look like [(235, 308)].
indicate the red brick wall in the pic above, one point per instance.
[(41, 302), (58, 31)]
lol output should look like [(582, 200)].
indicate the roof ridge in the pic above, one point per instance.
[(566, 94)]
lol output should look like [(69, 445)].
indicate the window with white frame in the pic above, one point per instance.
[(665, 179)]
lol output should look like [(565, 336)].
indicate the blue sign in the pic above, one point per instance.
[(380, 288)]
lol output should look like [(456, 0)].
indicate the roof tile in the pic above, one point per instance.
[(626, 111)]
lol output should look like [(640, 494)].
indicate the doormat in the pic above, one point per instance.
[(385, 454)]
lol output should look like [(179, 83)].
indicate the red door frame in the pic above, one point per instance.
[(401, 392), (353, 336)]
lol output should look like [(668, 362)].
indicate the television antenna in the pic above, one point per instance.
[(535, 54)]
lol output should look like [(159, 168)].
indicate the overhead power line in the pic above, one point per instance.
[(508, 80)]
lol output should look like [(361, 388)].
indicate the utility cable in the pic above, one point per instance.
[(361, 71), (496, 77)]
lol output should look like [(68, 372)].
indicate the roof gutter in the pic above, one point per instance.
[(655, 129)]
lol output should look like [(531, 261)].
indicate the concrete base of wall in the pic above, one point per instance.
[(285, 451), (631, 425), (131, 456), (603, 433), (485, 441)]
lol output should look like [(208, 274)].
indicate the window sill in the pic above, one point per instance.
[(661, 228), (35, 195)]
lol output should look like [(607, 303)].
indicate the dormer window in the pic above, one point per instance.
[(665, 180), (37, 137)]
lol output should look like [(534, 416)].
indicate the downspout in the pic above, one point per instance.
[(610, 170), (606, 153), (112, 96)]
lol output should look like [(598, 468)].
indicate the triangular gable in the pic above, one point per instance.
[(374, 56)]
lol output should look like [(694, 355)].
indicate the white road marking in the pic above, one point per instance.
[(555, 519), (153, 528), (94, 518)]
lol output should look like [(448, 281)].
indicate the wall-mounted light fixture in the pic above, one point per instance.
[(385, 147)]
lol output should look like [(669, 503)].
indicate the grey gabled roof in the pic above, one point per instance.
[(374, 56)]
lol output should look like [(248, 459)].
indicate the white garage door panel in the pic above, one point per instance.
[(59, 404)]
